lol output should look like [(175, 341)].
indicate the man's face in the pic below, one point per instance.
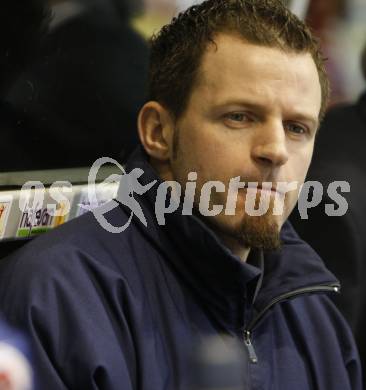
[(253, 114)]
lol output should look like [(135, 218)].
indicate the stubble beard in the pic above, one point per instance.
[(255, 232)]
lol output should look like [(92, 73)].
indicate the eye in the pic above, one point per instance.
[(237, 119), (237, 116), (296, 128)]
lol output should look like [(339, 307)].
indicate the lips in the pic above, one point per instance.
[(266, 187)]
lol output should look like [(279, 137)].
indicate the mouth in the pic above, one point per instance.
[(265, 188)]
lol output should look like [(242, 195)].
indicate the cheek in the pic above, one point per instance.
[(299, 167), (299, 164), (205, 155)]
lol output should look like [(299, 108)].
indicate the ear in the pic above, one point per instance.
[(156, 127)]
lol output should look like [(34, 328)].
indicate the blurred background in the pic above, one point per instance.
[(81, 69)]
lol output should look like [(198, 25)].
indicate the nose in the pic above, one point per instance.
[(270, 145)]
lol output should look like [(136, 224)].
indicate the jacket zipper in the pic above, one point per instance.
[(248, 332)]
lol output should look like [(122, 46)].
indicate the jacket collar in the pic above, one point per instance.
[(223, 282)]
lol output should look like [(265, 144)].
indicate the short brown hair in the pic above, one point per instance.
[(177, 50)]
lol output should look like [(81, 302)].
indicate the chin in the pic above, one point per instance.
[(262, 232)]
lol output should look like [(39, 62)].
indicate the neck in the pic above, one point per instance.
[(236, 247), (162, 169)]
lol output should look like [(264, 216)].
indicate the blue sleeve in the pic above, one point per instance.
[(79, 331)]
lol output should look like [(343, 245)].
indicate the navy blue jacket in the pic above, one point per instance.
[(121, 311)]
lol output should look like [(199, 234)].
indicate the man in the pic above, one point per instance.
[(341, 241), (236, 92)]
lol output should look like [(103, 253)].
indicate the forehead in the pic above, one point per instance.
[(233, 67)]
